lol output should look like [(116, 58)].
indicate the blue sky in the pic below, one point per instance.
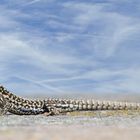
[(70, 46)]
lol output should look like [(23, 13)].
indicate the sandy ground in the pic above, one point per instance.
[(88, 126)]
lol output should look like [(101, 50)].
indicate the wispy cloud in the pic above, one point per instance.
[(69, 46)]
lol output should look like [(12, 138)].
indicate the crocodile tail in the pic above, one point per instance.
[(85, 105)]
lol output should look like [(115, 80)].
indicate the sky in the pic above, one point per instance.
[(70, 46)]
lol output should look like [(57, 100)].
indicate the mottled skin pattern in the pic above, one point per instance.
[(20, 106)]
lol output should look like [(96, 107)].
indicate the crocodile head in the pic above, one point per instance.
[(4, 104), (2, 101), (2, 98), (4, 92)]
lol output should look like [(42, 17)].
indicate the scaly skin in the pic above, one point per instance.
[(20, 106)]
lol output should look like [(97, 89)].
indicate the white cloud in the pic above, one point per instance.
[(16, 52), (71, 52), (114, 27)]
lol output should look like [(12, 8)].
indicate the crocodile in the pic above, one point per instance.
[(9, 102)]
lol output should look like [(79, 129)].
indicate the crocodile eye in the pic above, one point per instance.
[(5, 91)]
